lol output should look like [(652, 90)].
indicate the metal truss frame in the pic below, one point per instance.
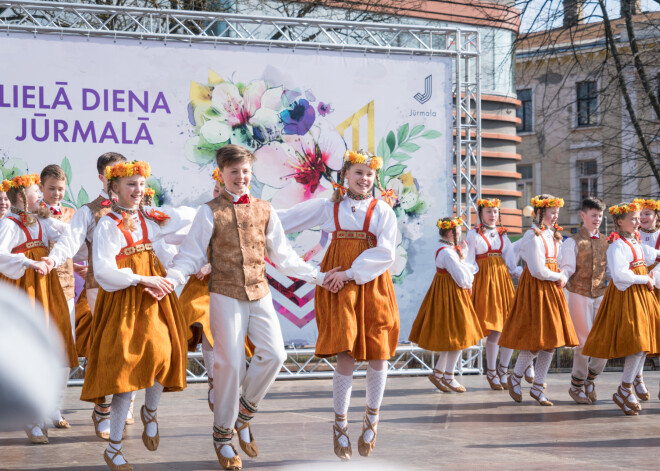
[(409, 360), (224, 29)]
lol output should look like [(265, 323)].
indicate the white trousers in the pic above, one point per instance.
[(71, 304), (583, 312), (231, 320)]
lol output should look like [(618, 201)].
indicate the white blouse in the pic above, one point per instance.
[(11, 235), (532, 251), (650, 240), (193, 254), (109, 240), (461, 272), (477, 246), (319, 212), (619, 258)]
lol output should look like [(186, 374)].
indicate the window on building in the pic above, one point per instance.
[(525, 185), (587, 103), (588, 178), (526, 111)]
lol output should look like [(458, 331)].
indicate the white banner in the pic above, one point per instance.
[(68, 100)]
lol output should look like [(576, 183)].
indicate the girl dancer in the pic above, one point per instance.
[(4, 201), (539, 320), (628, 321), (491, 253), (138, 334), (361, 321), (446, 321), (24, 240)]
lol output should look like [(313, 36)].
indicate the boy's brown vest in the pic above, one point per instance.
[(238, 248), (589, 277), (65, 271), (98, 211)]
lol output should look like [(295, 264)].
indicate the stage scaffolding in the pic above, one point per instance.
[(224, 29)]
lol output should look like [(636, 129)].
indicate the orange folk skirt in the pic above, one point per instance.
[(194, 302), (492, 293), (539, 318), (446, 321), (362, 320), (627, 322), (135, 339), (83, 324), (48, 292)]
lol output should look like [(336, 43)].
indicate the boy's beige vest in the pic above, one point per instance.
[(589, 277), (238, 248), (65, 271)]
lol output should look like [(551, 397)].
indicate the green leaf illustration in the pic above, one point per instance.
[(431, 134), (391, 141), (401, 157), (395, 170), (416, 130), (380, 151), (83, 198), (402, 134), (409, 147), (66, 166)]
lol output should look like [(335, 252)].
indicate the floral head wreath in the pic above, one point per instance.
[(446, 225), (538, 202), (486, 203), (128, 169), (149, 192), (653, 205), (24, 181), (625, 208), (372, 161), (5, 186), (217, 177)]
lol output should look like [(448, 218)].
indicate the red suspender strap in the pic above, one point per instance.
[(636, 262), (127, 234), (28, 236), (370, 212), (483, 237), (657, 243), (145, 231), (336, 211), (545, 244), (440, 270)]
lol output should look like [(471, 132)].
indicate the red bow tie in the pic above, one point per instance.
[(55, 211), (245, 199), (595, 237)]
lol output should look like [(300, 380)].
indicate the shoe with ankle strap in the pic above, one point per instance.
[(151, 443), (251, 449), (494, 380), (344, 453), (641, 395), (108, 459), (365, 448), (513, 381), (228, 463), (504, 377), (37, 439), (436, 379), (537, 393)]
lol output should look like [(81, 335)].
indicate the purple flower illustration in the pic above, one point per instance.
[(325, 108), (298, 118)]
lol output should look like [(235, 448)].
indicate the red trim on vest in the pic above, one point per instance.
[(364, 234), (133, 247)]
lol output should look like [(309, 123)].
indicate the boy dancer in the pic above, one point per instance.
[(583, 261), (239, 230)]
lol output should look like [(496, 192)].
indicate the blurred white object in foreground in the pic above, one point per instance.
[(30, 361)]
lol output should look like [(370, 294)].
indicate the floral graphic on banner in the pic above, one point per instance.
[(299, 153)]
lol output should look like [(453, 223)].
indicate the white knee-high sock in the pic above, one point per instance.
[(441, 363), (452, 359), (505, 357), (525, 358), (642, 360), (543, 361), (376, 380), (491, 350), (120, 404), (342, 386), (151, 400), (631, 367)]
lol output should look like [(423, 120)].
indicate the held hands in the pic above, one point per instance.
[(156, 286), (651, 283), (81, 270), (335, 280), (49, 262), (205, 270), (40, 267)]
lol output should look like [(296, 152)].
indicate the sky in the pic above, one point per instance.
[(550, 15)]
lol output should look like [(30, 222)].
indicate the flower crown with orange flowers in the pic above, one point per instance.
[(24, 181), (5, 186), (625, 208), (538, 202), (486, 203), (653, 205), (445, 225), (128, 169), (149, 192), (217, 177), (372, 161)]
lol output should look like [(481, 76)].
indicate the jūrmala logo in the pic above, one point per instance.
[(428, 91)]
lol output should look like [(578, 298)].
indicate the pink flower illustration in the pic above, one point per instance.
[(297, 166)]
